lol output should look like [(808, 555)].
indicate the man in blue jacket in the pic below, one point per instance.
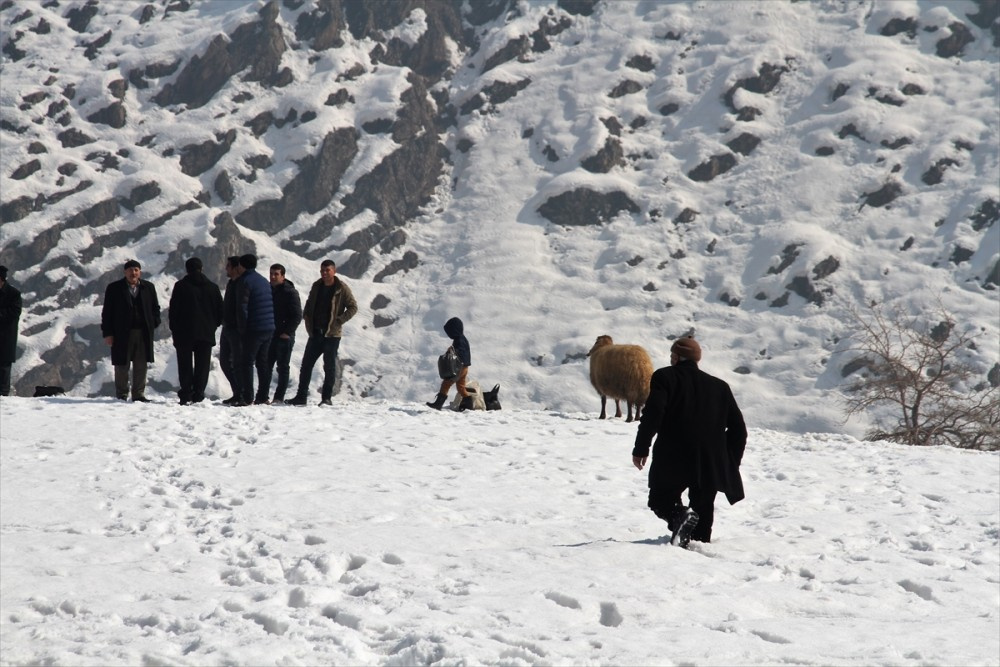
[(255, 322)]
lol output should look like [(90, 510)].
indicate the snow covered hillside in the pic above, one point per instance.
[(383, 533), (547, 171)]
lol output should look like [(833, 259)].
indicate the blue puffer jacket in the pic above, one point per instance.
[(455, 330), (255, 310)]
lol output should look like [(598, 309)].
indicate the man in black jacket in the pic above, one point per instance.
[(700, 441), (287, 316), (10, 313), (195, 314), (230, 337), (130, 314)]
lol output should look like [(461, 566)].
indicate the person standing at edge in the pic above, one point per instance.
[(455, 329), (10, 314), (255, 321), (229, 338), (700, 439), (130, 314), (287, 316), (195, 313), (329, 306)]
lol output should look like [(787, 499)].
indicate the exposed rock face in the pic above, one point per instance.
[(254, 46), (586, 207)]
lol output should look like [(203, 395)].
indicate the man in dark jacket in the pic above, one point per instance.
[(699, 445), (255, 321), (330, 304), (229, 340), (10, 314), (455, 330), (287, 316), (130, 314), (195, 314)]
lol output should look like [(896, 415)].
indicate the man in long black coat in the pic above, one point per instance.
[(195, 314), (700, 441), (130, 314), (10, 314)]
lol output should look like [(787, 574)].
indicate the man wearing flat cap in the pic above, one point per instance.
[(10, 314), (700, 439), (130, 314)]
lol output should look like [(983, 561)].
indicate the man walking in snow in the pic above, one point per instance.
[(700, 438), (330, 304)]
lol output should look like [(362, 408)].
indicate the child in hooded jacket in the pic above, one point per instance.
[(456, 331)]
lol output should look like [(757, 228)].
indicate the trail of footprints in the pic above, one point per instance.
[(272, 588)]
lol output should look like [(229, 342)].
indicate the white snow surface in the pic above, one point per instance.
[(380, 532)]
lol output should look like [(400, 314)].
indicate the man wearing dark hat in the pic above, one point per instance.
[(10, 314), (195, 313), (130, 314), (700, 438)]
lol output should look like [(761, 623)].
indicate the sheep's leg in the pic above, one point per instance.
[(629, 418), (618, 409), (604, 402)]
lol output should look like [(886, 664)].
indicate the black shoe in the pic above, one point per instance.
[(297, 400), (238, 404), (438, 402), (682, 535), (261, 401), (466, 404), (229, 401), (326, 401), (140, 399), (122, 397)]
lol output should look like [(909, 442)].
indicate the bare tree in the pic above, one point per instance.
[(919, 370)]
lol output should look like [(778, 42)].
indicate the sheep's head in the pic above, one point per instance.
[(602, 341)]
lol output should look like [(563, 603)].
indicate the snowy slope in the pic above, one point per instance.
[(761, 263), (383, 533)]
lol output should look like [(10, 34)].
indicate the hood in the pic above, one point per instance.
[(454, 327)]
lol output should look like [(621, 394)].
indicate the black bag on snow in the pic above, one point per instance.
[(449, 364)]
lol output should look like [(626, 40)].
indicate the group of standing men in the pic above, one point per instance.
[(259, 318)]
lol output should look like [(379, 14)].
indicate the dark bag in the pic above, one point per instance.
[(449, 364)]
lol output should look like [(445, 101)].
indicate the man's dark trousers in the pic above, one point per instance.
[(253, 354), (193, 380), (327, 348), (280, 354)]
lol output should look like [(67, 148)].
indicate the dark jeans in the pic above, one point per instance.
[(5, 380), (193, 380), (226, 359), (280, 353), (665, 501), (318, 346), (253, 353)]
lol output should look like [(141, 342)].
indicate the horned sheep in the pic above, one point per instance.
[(621, 372)]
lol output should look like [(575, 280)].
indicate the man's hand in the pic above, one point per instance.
[(639, 462), (110, 340)]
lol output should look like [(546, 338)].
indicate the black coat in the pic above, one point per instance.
[(455, 330), (700, 433), (116, 317), (10, 314), (287, 308), (195, 310)]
